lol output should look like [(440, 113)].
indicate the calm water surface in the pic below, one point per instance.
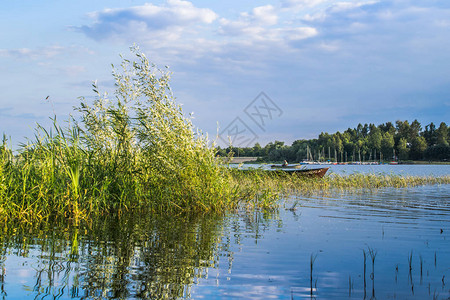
[(244, 254)]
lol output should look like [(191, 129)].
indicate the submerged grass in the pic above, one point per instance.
[(137, 151)]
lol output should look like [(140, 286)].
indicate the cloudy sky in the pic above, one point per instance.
[(270, 70)]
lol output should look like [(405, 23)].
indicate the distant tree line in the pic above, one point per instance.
[(368, 142)]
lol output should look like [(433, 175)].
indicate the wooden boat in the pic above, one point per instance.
[(318, 172), (286, 167)]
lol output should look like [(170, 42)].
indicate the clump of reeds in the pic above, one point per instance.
[(133, 150), (142, 142)]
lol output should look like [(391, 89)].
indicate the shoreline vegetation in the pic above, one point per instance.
[(136, 151), (261, 161), (401, 143)]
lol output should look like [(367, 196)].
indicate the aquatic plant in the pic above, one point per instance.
[(146, 146), (133, 150), (350, 285), (311, 268), (421, 266), (410, 261), (365, 267), (373, 254)]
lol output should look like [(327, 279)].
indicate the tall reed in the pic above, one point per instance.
[(133, 150)]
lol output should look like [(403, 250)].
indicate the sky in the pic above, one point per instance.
[(250, 71)]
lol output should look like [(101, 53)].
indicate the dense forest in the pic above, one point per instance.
[(400, 142)]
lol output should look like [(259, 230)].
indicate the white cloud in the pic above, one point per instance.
[(296, 4), (265, 15), (335, 8), (185, 32), (235, 28), (166, 22), (279, 37), (353, 37), (253, 23), (261, 26), (335, 5), (319, 16), (299, 33)]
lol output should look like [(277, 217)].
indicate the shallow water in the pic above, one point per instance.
[(245, 254)]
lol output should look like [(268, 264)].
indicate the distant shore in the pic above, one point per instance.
[(420, 162), (258, 160)]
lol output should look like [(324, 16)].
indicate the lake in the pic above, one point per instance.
[(384, 244)]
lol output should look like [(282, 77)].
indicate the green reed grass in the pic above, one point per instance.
[(132, 150), (136, 150), (287, 184)]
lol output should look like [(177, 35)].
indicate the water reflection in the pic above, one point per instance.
[(388, 243), (137, 257), (130, 257)]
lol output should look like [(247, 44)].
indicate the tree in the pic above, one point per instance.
[(403, 130), (273, 150), (387, 127), (338, 144), (347, 142), (430, 134), (387, 144), (441, 152), (414, 130), (375, 138), (257, 150), (221, 152), (402, 149), (364, 142), (442, 134), (359, 130), (364, 148), (299, 149), (418, 147)]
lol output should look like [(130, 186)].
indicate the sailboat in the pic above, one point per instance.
[(309, 158)]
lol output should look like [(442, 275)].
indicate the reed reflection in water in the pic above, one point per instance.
[(121, 258), (384, 243)]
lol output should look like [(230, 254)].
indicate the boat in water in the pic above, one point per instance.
[(286, 166), (297, 170), (317, 172)]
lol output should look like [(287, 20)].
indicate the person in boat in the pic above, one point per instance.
[(285, 163)]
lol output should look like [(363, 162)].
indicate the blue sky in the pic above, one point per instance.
[(326, 65)]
